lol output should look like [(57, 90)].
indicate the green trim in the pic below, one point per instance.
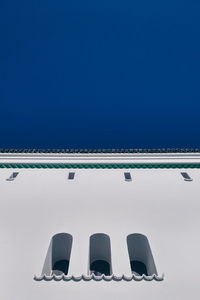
[(100, 166)]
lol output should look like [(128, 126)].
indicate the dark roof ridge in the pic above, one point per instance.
[(161, 150)]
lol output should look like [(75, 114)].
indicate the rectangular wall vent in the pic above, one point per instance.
[(186, 176), (12, 176), (71, 175), (127, 176)]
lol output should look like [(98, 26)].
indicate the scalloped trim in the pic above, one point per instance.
[(98, 278), (99, 166)]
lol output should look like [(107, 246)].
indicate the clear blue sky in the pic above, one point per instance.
[(99, 74)]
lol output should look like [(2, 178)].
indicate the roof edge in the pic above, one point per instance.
[(161, 150)]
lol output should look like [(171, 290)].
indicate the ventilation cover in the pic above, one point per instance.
[(12, 176)]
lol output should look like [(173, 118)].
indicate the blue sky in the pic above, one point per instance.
[(99, 74)]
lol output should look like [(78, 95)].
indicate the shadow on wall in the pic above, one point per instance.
[(58, 255)]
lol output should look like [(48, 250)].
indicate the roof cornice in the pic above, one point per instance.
[(161, 150)]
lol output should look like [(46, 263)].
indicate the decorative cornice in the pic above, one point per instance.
[(99, 166)]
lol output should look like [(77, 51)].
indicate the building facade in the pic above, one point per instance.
[(103, 224)]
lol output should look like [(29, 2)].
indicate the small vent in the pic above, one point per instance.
[(58, 255), (71, 175), (12, 176), (140, 255), (186, 176), (127, 176), (100, 255)]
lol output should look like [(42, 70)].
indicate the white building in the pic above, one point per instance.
[(100, 224)]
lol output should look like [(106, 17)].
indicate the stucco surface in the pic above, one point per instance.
[(157, 203)]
